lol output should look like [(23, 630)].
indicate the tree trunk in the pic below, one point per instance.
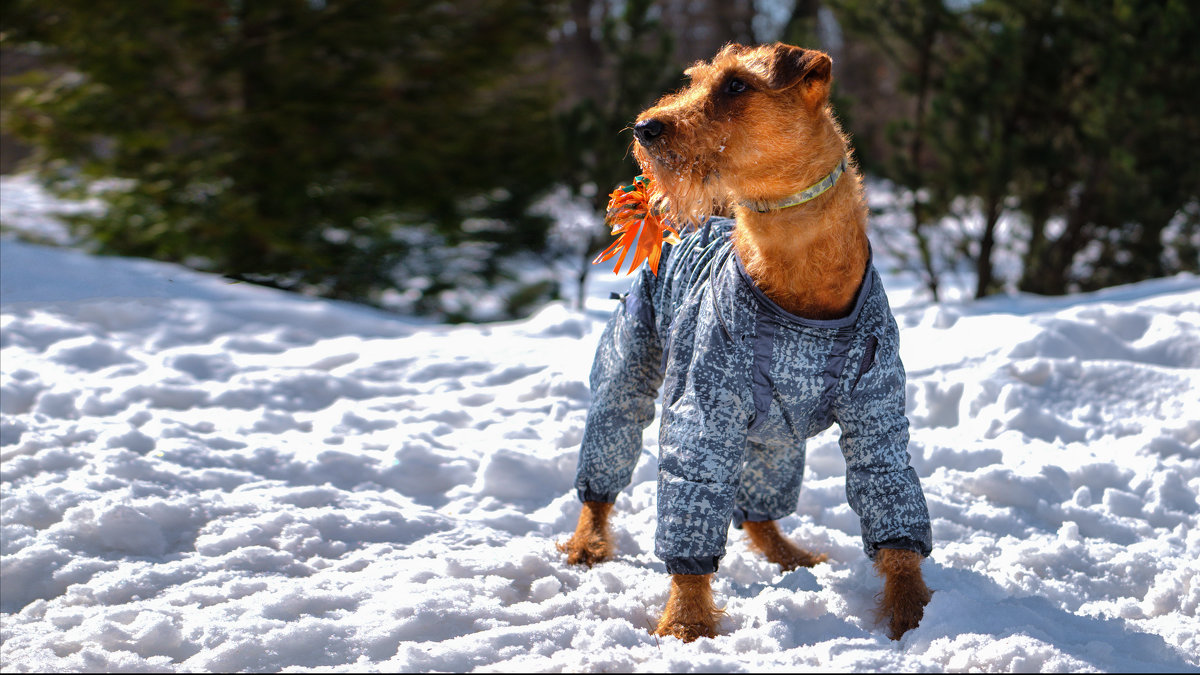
[(1048, 263), (983, 266), (585, 266), (585, 59), (916, 176)]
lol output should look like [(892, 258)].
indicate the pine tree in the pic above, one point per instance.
[(1077, 115), (1117, 168), (299, 143)]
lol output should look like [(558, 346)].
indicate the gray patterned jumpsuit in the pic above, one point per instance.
[(746, 383)]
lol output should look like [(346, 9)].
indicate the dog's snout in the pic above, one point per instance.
[(647, 131)]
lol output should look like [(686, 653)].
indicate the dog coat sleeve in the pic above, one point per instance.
[(625, 378), (880, 485), (706, 411)]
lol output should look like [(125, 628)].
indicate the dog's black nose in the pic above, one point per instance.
[(647, 130)]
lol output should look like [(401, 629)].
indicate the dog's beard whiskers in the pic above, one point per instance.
[(691, 187), (695, 196)]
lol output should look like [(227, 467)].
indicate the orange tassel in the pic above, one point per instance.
[(638, 225)]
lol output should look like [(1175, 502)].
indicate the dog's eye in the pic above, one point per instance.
[(735, 86)]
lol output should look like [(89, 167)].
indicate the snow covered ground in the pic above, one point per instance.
[(205, 476)]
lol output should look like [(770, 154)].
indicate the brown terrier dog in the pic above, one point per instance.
[(752, 130)]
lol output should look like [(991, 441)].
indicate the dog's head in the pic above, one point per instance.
[(724, 136)]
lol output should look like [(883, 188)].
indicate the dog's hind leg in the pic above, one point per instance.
[(770, 486), (690, 612), (767, 540), (591, 543)]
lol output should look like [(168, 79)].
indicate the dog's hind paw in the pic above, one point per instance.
[(767, 540), (686, 631), (585, 550), (799, 558), (591, 542)]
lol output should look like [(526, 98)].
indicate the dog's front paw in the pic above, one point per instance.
[(690, 612), (906, 618), (905, 594)]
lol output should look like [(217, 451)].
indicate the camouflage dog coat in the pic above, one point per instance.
[(746, 383)]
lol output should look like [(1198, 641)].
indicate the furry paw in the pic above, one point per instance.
[(905, 594), (687, 632), (766, 539), (690, 611), (797, 557), (905, 619), (591, 542), (585, 548)]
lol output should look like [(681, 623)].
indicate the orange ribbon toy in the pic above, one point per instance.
[(638, 225)]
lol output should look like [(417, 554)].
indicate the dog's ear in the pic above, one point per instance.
[(793, 66)]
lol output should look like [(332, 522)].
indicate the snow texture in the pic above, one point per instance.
[(206, 476)]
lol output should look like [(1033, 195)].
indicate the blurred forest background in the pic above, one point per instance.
[(420, 156)]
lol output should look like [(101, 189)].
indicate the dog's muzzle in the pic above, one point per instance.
[(648, 131)]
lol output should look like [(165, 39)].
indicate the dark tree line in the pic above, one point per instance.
[(339, 147), (389, 152), (1074, 117)]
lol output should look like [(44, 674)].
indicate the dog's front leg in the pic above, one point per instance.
[(591, 543), (905, 594), (767, 540), (690, 611)]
